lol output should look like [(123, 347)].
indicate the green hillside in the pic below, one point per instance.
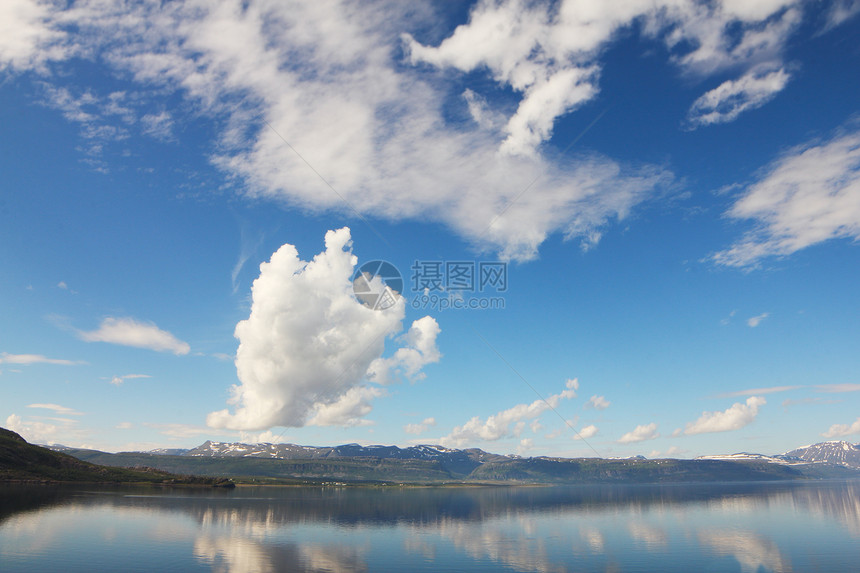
[(21, 461)]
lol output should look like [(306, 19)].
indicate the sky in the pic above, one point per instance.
[(568, 228)]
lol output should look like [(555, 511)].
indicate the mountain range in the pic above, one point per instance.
[(835, 452), (437, 464)]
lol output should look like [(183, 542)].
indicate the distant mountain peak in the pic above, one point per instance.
[(838, 452)]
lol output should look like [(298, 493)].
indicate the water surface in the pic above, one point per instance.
[(737, 527)]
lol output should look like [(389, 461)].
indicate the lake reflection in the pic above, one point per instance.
[(738, 527)]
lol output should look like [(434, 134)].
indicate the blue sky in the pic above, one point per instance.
[(673, 188)]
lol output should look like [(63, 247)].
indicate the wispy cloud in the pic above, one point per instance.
[(118, 380), (640, 434), (725, 321), (57, 408), (839, 11), (754, 391), (736, 417), (808, 196), (180, 430), (838, 388), (130, 332), (754, 321), (35, 359), (247, 247), (733, 97), (787, 402), (158, 125)]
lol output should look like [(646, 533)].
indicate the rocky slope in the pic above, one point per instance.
[(837, 453)]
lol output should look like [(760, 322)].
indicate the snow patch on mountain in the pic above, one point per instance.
[(833, 452)]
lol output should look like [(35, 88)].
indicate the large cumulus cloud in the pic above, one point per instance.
[(305, 349)]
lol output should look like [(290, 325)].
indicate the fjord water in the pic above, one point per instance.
[(731, 527)]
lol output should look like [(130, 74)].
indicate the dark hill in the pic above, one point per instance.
[(21, 461)]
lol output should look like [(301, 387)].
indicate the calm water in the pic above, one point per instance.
[(747, 527)]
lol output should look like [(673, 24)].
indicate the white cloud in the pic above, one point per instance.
[(736, 417), (841, 11), (348, 409), (838, 388), (840, 430), (34, 359), (753, 391), (640, 434), (551, 53), (808, 196), (525, 445), (672, 451), (754, 321), (124, 426), (733, 97), (37, 432), (180, 430), (324, 77), (728, 319), (416, 429), (26, 34), (267, 437), (158, 125), (419, 350), (92, 113), (597, 402), (307, 347), (506, 423), (586, 432), (788, 402), (118, 380), (373, 128), (129, 332), (752, 552), (57, 408), (727, 35)]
